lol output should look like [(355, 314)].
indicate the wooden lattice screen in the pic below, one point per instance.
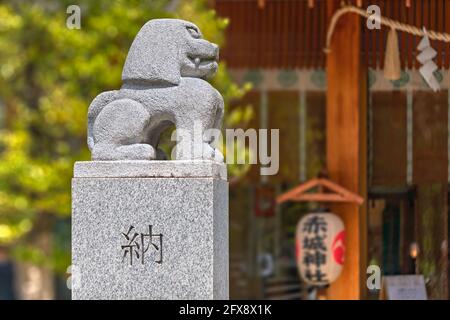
[(291, 34)]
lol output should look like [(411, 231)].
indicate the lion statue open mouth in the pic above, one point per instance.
[(163, 85)]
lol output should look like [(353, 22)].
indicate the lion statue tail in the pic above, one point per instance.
[(95, 108)]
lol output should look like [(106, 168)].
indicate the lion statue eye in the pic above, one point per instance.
[(193, 32)]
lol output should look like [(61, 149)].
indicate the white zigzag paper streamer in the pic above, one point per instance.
[(426, 59)]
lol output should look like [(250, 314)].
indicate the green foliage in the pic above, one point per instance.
[(48, 76)]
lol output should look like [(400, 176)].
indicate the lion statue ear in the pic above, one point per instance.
[(153, 58)]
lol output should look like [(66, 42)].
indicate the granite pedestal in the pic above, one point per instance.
[(150, 230)]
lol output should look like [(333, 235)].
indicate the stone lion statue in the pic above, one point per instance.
[(163, 85)]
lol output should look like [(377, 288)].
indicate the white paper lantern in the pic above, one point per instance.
[(320, 247)]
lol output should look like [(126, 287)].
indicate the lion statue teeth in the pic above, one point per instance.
[(163, 85)]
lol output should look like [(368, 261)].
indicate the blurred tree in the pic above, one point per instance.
[(48, 76)]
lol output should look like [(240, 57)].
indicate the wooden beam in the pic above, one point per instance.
[(338, 193), (304, 187), (346, 146), (321, 197)]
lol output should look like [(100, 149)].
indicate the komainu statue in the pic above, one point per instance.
[(163, 85)]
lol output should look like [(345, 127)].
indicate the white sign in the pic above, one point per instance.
[(404, 287)]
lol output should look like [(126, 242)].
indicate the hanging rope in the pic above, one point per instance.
[(433, 35)]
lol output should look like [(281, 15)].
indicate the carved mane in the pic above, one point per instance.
[(154, 56)]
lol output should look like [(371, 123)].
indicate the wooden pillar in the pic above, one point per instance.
[(346, 146)]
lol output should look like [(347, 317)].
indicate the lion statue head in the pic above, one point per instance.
[(165, 50)]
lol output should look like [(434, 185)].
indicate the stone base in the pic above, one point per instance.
[(141, 233)]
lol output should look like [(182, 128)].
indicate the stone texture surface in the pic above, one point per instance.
[(150, 169), (163, 85), (190, 212)]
